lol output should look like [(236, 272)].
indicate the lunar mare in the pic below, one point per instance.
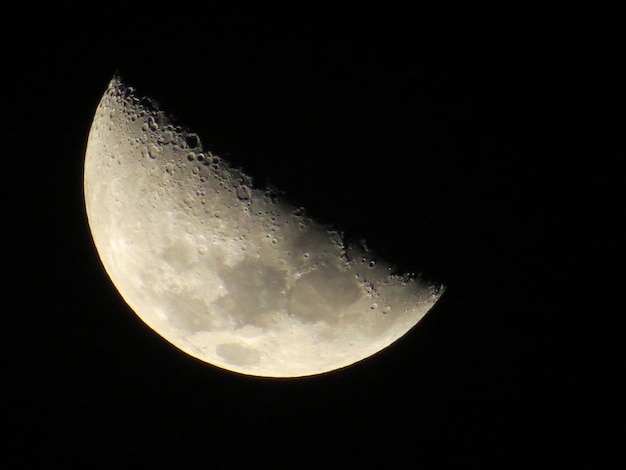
[(223, 270)]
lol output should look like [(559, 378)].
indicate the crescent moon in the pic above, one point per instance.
[(227, 272)]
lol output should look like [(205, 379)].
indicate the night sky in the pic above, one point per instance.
[(473, 148)]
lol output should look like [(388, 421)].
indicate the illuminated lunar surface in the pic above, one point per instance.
[(225, 271)]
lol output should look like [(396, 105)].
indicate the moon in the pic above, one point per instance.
[(229, 273)]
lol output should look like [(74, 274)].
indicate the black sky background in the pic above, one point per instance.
[(473, 147)]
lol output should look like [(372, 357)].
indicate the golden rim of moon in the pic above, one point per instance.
[(225, 271)]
